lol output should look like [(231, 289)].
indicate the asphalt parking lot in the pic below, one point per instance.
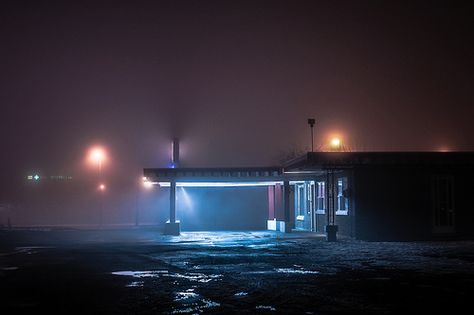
[(140, 271)]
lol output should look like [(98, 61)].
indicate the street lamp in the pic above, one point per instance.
[(311, 122), (97, 156), (336, 144)]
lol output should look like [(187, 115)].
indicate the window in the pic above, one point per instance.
[(321, 198), (300, 205), (342, 200)]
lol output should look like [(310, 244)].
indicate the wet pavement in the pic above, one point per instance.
[(139, 271)]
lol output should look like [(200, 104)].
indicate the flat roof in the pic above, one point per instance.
[(310, 164), (221, 174), (340, 160)]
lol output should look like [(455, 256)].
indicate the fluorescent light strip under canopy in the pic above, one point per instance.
[(218, 184)]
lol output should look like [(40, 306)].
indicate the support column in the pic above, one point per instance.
[(172, 226), (272, 221), (331, 227), (286, 206), (173, 202)]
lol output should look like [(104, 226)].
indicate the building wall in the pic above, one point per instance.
[(227, 208), (396, 203), (464, 208), (345, 222), (317, 222)]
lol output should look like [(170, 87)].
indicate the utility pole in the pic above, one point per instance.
[(311, 122)]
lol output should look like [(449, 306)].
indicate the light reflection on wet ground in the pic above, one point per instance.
[(135, 284), (265, 307), (191, 276), (140, 274), (238, 272)]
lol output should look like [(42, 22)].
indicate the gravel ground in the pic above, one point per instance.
[(139, 271)]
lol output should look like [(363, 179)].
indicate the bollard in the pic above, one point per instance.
[(331, 233)]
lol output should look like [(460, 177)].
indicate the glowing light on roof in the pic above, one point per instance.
[(335, 142)]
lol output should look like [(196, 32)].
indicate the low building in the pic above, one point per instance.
[(363, 195)]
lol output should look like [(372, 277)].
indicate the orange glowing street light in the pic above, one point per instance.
[(97, 156), (335, 142)]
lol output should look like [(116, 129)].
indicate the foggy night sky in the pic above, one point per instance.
[(234, 80)]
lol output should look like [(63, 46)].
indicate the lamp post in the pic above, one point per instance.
[(97, 157), (311, 122)]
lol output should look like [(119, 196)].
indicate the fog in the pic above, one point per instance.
[(234, 80)]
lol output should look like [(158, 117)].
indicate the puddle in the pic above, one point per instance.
[(192, 305), (265, 307), (241, 294), (196, 307), (141, 274), (9, 268), (135, 284), (32, 247), (198, 277), (260, 246), (284, 270), (296, 271), (186, 295), (192, 276), (29, 249)]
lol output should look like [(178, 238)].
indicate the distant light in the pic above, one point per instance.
[(144, 178), (335, 142), (36, 177), (97, 155), (30, 177), (220, 184), (102, 187), (444, 149)]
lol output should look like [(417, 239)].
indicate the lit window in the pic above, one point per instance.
[(321, 198), (342, 200)]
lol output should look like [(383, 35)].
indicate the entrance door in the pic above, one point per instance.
[(300, 206), (304, 205), (443, 204)]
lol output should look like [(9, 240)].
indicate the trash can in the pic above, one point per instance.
[(331, 233)]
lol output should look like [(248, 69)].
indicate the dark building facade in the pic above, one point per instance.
[(385, 195)]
